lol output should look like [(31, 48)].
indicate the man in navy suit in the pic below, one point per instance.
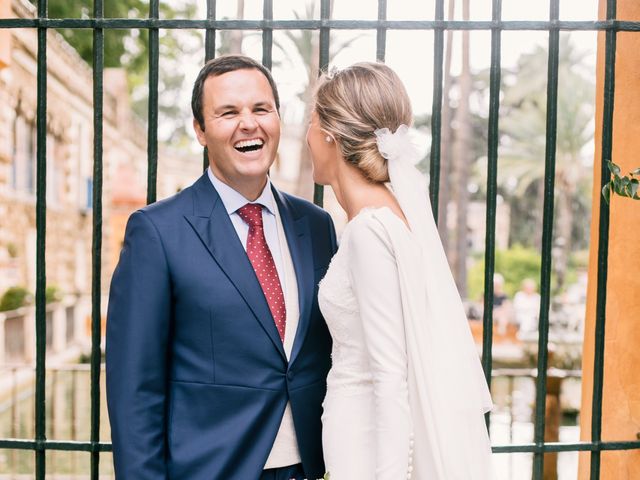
[(217, 353)]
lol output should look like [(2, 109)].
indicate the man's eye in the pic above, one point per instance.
[(261, 110), (228, 113)]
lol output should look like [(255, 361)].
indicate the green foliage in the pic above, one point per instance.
[(114, 40), (625, 186), (129, 49), (13, 298), (53, 294), (523, 141), (515, 264)]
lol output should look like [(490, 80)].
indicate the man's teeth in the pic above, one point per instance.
[(249, 143)]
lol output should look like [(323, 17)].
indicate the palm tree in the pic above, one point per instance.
[(445, 141), (231, 40), (523, 136), (461, 159), (306, 45)]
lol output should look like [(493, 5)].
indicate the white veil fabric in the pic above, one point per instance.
[(447, 388)]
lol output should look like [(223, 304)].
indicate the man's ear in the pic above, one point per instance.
[(199, 133)]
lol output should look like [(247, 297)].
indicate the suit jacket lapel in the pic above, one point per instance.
[(212, 224), (298, 235)]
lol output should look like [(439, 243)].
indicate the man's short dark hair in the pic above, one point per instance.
[(221, 65)]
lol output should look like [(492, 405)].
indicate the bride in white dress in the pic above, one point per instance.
[(406, 394)]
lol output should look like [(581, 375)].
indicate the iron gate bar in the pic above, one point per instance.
[(152, 124), (145, 23), (547, 237), (210, 39), (58, 445), (96, 237), (611, 26), (436, 112), (493, 136), (323, 65), (551, 447), (82, 446), (267, 35), (41, 227), (603, 242), (209, 53)]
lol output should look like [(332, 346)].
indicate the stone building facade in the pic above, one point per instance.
[(69, 152)]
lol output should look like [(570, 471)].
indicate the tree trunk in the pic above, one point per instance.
[(445, 142), (461, 157), (236, 35), (304, 187), (539, 213), (563, 224)]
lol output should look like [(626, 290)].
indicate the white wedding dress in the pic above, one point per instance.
[(366, 421), (374, 426), (406, 394)]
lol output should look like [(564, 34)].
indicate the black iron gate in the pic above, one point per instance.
[(98, 24)]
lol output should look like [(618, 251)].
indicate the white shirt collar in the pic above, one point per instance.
[(233, 200)]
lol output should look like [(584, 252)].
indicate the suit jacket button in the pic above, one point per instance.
[(289, 375)]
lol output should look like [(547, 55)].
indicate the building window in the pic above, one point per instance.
[(53, 180), (24, 156)]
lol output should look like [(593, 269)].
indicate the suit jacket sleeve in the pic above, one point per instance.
[(138, 324)]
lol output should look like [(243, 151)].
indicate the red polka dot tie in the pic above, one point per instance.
[(263, 264)]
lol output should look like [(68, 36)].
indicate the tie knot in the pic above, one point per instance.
[(251, 213)]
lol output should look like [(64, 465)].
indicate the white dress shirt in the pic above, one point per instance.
[(285, 450)]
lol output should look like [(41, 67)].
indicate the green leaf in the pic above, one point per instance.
[(635, 183), (606, 192), (613, 168), (618, 186), (636, 171)]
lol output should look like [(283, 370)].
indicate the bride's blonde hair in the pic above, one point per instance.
[(352, 103)]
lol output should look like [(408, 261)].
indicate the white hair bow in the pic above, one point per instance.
[(393, 145)]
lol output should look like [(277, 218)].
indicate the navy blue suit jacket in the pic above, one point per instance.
[(197, 378)]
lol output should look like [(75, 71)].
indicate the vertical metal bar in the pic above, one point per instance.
[(547, 238), (323, 65), (210, 35), (381, 36), (41, 225), (152, 127), (96, 238), (267, 35), (209, 53), (492, 191), (603, 243), (436, 111)]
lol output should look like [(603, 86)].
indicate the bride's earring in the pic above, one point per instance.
[(328, 139)]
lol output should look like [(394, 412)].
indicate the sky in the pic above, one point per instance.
[(410, 53)]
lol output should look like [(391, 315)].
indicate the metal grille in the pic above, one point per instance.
[(610, 26)]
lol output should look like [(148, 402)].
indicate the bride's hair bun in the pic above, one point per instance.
[(352, 103)]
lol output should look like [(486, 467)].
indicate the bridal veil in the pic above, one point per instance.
[(447, 388)]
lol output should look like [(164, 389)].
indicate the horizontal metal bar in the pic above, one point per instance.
[(128, 23), (566, 447), (20, 444)]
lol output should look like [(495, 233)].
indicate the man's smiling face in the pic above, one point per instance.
[(241, 129)]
